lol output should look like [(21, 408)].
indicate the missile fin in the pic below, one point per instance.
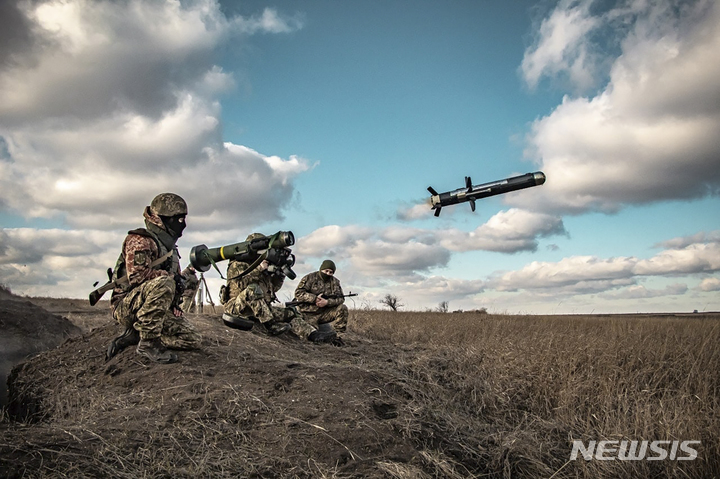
[(432, 191), (437, 211), (472, 204), (468, 184)]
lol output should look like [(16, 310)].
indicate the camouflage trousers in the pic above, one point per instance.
[(188, 303), (337, 315), (248, 304), (147, 308)]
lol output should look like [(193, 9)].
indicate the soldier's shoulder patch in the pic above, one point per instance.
[(140, 258)]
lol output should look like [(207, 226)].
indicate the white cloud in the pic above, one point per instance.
[(56, 262), (694, 258), (709, 284), (402, 252), (641, 292), (562, 46), (651, 134), (331, 240), (91, 130), (508, 231), (588, 273)]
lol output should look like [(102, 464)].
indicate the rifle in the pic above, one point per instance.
[(98, 293), (295, 302)]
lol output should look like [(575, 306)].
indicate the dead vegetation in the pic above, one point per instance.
[(413, 395)]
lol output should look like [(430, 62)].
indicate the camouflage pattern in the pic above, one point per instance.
[(146, 308), (254, 294), (307, 291), (255, 287), (145, 302), (168, 204), (192, 283)]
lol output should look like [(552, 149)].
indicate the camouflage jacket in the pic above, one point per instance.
[(269, 284), (140, 248), (311, 286)]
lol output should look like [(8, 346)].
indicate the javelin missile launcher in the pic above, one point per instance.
[(471, 193)]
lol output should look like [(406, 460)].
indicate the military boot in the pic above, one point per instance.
[(319, 336), (237, 322), (130, 337), (155, 350), (325, 327), (276, 327)]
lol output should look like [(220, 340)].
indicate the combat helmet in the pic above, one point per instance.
[(168, 204)]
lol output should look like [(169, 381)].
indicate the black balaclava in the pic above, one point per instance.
[(174, 224)]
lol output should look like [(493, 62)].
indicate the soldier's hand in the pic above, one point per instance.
[(263, 266), (177, 312), (321, 302)]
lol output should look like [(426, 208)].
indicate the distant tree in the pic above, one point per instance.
[(391, 301), (443, 307)]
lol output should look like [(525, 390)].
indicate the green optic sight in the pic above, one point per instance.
[(276, 248)]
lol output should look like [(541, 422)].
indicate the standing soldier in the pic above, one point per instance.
[(192, 283), (148, 285), (250, 294), (321, 299)]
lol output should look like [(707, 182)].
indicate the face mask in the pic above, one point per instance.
[(174, 224), (325, 277)]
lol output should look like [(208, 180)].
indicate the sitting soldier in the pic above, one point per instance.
[(320, 299)]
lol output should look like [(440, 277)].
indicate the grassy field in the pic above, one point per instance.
[(426, 394), (511, 393)]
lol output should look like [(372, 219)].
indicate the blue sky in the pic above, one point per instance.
[(331, 119)]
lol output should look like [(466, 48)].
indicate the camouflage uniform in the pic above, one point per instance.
[(307, 291), (145, 303), (253, 295), (191, 286)]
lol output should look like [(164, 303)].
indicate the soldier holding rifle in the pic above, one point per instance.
[(320, 298), (148, 286)]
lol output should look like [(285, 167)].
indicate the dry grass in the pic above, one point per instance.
[(424, 395), (506, 395)]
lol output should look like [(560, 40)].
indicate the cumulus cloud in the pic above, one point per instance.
[(508, 231), (651, 134), (91, 129), (56, 262), (593, 274), (709, 284), (404, 252), (562, 46)]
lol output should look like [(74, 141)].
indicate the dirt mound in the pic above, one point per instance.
[(26, 329), (245, 405)]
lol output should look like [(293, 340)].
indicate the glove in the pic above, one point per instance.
[(179, 284)]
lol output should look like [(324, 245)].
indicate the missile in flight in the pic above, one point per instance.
[(471, 193)]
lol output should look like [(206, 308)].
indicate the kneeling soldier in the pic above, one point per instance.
[(147, 302)]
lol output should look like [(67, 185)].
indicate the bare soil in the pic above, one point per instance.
[(245, 404)]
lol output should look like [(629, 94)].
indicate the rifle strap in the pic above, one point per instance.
[(160, 260), (250, 268)]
